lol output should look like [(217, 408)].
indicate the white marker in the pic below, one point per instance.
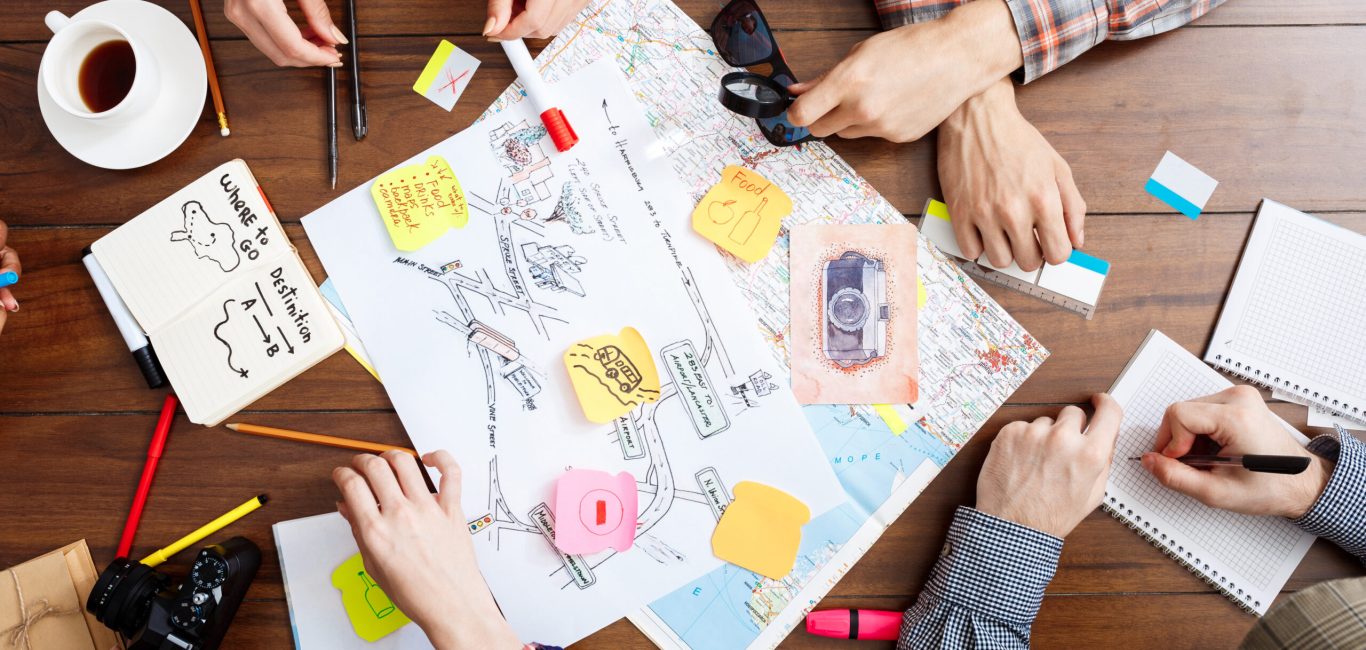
[(561, 133), (128, 326)]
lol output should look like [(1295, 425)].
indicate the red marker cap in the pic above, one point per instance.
[(866, 624), (558, 127)]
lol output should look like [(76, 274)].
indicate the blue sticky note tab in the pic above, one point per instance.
[(7, 278), (1090, 262), (1173, 199)]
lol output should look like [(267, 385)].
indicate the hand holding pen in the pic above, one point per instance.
[(1240, 423)]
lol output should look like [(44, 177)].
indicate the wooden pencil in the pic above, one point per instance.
[(318, 439), (203, 33)]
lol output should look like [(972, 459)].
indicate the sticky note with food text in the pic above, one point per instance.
[(419, 203), (761, 530), (370, 611), (594, 511), (612, 374), (742, 213)]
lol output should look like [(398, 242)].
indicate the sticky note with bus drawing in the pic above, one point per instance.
[(612, 374)]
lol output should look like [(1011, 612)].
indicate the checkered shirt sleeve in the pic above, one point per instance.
[(1339, 514), (1053, 32), (986, 588)]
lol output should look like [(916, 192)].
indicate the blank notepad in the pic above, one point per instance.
[(1247, 558), (1295, 318)]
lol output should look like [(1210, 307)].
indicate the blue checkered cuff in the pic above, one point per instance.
[(994, 566), (1339, 514)]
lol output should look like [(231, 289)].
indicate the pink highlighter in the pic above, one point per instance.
[(866, 624)]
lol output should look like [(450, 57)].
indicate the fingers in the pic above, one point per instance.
[(1024, 247), (534, 20), (379, 475), (997, 247), (1053, 236), (1104, 427), (1071, 419), (317, 16), (500, 12), (1073, 206), (448, 494), (813, 101), (839, 119), (356, 495), (965, 231), (1183, 421), (268, 26), (408, 473), (1205, 487)]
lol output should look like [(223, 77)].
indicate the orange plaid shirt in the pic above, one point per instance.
[(1053, 32)]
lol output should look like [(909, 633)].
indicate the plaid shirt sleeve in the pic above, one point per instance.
[(1053, 32), (1339, 514), (986, 588)]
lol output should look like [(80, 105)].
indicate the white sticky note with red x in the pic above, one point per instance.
[(447, 75)]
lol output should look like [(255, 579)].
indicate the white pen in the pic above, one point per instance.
[(128, 326), (561, 133)]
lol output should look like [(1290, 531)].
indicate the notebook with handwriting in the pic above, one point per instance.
[(1295, 318), (213, 280), (1246, 558)]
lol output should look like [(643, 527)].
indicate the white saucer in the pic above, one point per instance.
[(134, 140)]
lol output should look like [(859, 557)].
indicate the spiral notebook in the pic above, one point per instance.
[(1246, 558), (1295, 319)]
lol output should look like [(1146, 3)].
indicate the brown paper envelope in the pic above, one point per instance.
[(45, 577), (83, 577)]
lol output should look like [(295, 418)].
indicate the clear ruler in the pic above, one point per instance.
[(1028, 288)]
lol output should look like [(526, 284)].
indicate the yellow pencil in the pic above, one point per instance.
[(205, 530), (319, 439)]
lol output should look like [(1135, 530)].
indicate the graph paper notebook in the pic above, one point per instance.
[(1247, 558), (1295, 319)]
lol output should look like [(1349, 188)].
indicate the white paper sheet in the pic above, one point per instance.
[(560, 247)]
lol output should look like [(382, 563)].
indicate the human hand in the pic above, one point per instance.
[(900, 84), (418, 548), (509, 19), (1239, 421), (9, 263), (1003, 183), (1047, 474), (268, 26)]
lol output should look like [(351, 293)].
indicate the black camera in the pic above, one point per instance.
[(138, 602)]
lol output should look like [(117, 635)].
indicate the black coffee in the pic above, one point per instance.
[(107, 75)]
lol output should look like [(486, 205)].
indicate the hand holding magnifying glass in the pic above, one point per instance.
[(754, 95)]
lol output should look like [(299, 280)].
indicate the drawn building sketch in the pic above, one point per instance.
[(853, 301), (520, 148), (553, 267), (211, 240)]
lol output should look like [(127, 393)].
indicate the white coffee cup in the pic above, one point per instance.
[(72, 41)]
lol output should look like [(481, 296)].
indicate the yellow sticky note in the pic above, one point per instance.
[(612, 374), (742, 213), (920, 296), (372, 614), (761, 530), (891, 417), (419, 203)]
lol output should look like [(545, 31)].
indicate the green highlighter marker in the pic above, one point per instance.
[(7, 278)]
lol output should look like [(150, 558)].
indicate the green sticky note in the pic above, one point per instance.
[(372, 614)]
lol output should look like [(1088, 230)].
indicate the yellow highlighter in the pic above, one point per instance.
[(205, 530)]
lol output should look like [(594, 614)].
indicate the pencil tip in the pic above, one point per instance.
[(232, 426)]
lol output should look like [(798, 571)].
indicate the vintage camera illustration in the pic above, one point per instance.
[(855, 310)]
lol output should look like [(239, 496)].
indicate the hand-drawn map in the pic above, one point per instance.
[(470, 333)]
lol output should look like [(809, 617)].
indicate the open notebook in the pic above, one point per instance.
[(1247, 558), (212, 279), (1295, 319)]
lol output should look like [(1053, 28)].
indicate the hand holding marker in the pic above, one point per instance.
[(561, 133)]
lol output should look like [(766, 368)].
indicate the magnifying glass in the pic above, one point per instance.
[(754, 95)]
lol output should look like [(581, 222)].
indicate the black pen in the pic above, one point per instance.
[(1251, 462), (332, 124), (358, 121)]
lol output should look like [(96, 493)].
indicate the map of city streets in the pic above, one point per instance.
[(973, 355)]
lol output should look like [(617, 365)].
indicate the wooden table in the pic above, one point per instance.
[(1269, 97)]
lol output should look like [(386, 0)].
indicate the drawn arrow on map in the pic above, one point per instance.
[(286, 340), (265, 338)]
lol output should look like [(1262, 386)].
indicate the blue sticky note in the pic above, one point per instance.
[(7, 278), (1180, 185)]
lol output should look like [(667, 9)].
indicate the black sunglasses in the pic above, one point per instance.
[(743, 39)]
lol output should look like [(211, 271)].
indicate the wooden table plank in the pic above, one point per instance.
[(1282, 103)]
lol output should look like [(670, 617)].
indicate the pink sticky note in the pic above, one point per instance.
[(594, 511)]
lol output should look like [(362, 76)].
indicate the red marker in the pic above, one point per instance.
[(556, 125), (865, 624), (149, 469)]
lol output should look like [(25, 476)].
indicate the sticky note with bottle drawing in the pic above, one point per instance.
[(369, 609), (761, 530), (419, 203), (612, 374), (595, 511), (742, 213)]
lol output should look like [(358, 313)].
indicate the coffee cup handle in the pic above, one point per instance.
[(56, 20)]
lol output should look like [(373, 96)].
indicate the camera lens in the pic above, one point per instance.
[(122, 597), (849, 309)]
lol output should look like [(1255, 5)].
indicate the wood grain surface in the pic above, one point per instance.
[(1266, 96)]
